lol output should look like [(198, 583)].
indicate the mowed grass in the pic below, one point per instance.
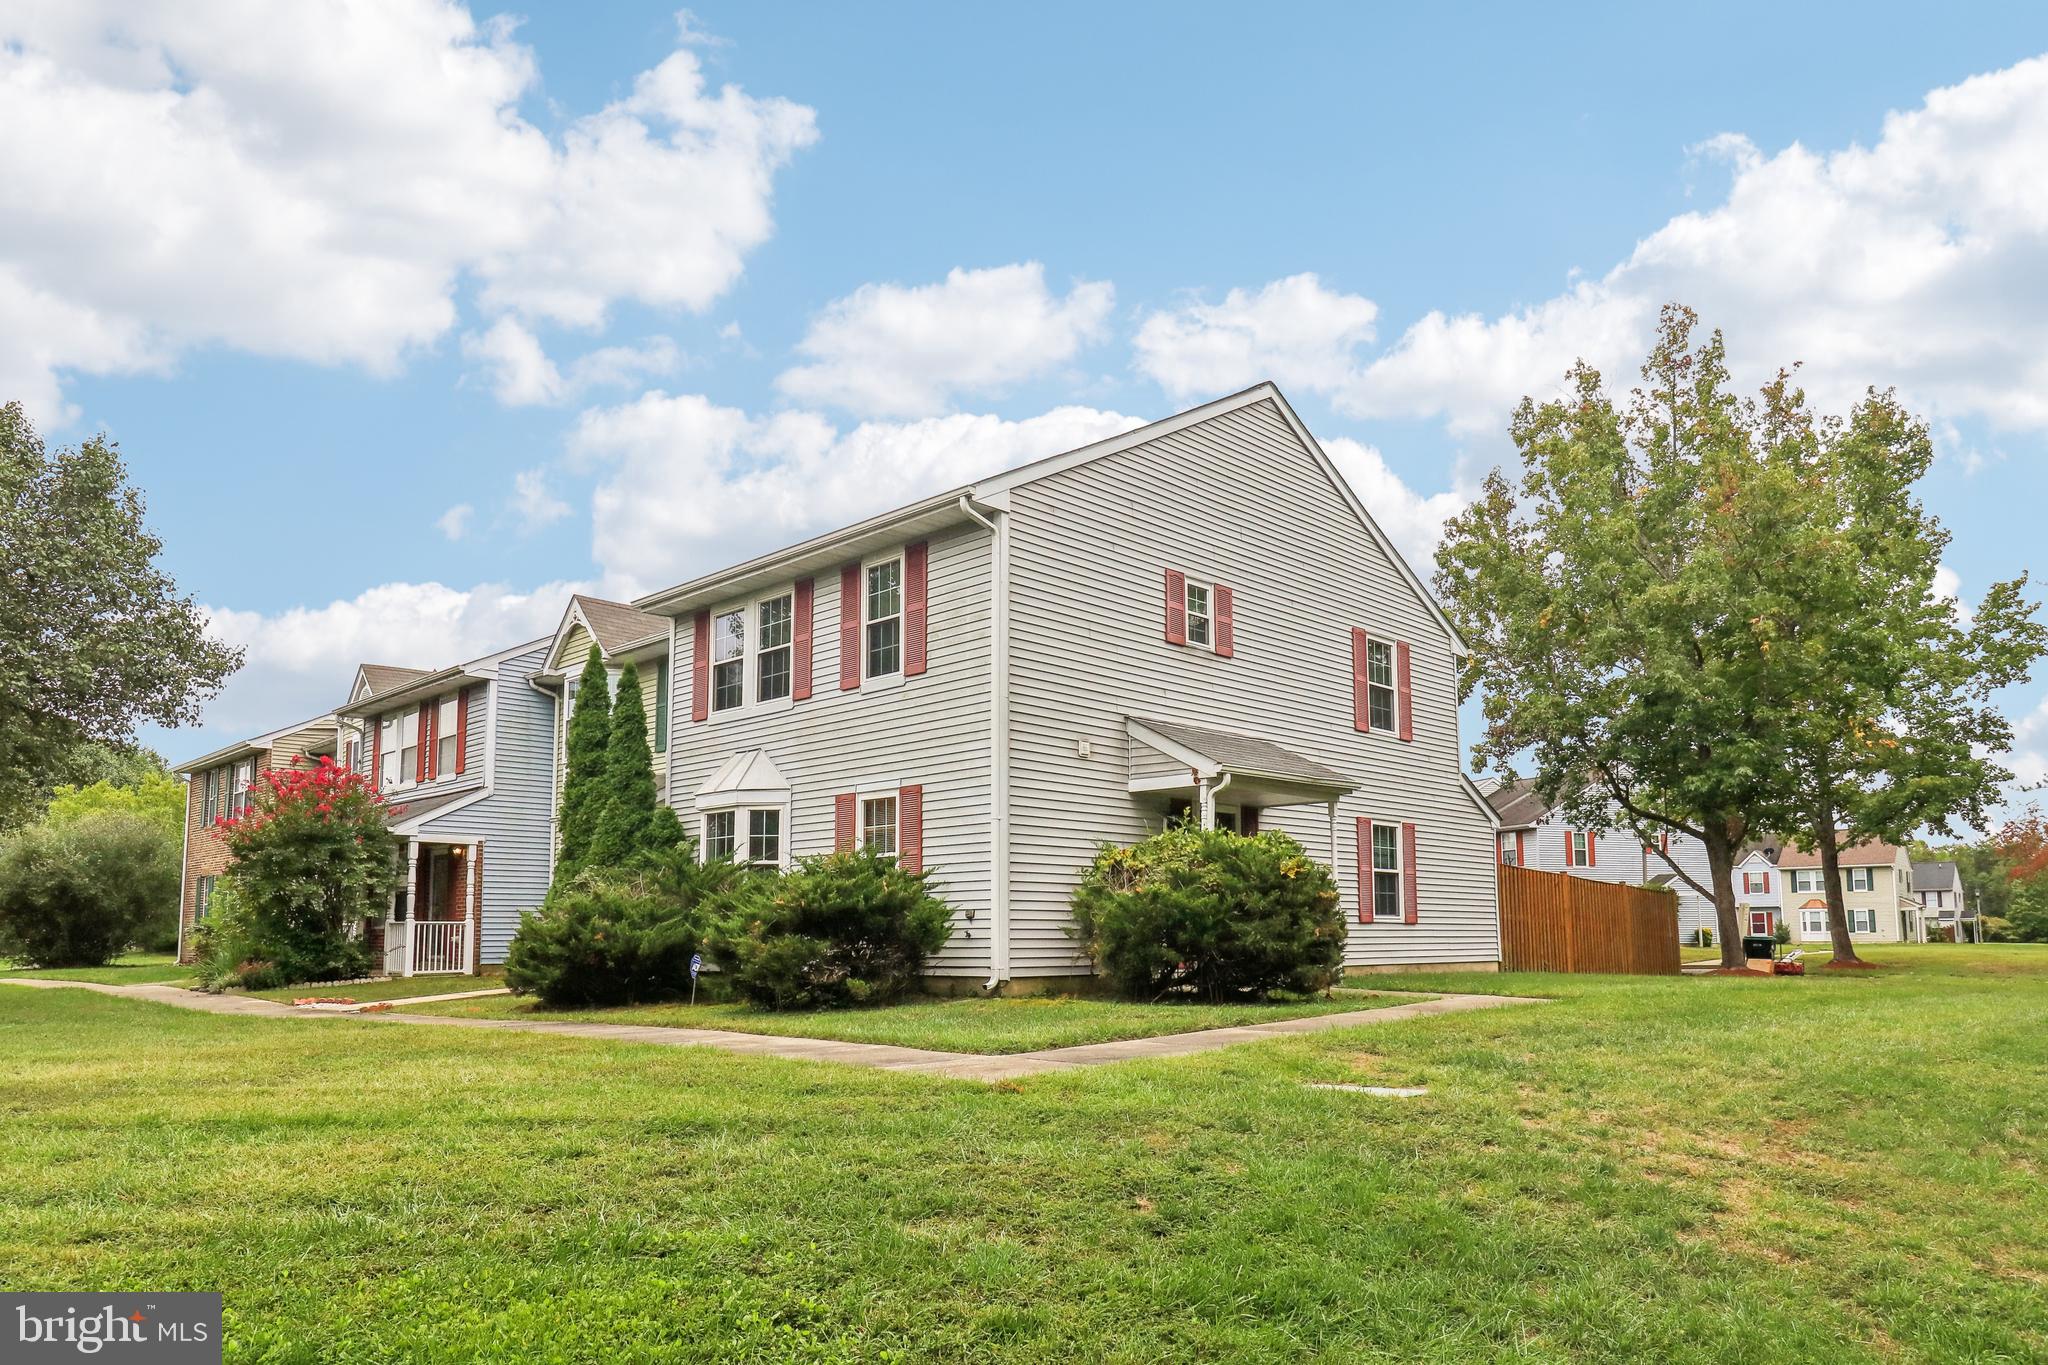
[(1025, 1024), (1691, 1169), (130, 969), (396, 988)]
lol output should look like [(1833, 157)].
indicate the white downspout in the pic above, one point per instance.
[(998, 741), (185, 868), (1210, 791)]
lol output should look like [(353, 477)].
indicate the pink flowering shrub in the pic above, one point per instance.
[(313, 858)]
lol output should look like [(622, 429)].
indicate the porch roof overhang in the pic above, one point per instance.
[(409, 817), (1261, 773), (749, 777)]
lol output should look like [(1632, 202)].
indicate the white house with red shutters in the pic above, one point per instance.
[(1198, 616), (1532, 835)]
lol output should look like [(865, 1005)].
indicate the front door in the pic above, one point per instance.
[(441, 885), (1759, 921)]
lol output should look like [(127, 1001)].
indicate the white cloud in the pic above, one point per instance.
[(318, 181), (454, 522), (300, 661), (1294, 332), (689, 486), (522, 375), (1413, 521), (889, 350), (533, 502)]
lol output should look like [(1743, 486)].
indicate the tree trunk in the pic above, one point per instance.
[(1721, 873), (1828, 841)]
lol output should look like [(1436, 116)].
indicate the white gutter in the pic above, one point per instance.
[(998, 742)]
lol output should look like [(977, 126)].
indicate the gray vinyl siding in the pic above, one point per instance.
[(513, 820), (1235, 500), (1623, 861), (932, 730)]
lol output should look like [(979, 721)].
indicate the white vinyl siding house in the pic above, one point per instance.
[(973, 677)]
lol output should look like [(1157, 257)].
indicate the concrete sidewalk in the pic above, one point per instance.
[(956, 1065)]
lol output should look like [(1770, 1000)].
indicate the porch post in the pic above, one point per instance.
[(1205, 806), (411, 895), (474, 911), (1333, 838)]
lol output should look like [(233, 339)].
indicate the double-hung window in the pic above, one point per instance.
[(884, 615), (1198, 614), (447, 726), (1862, 921), (744, 835), (1379, 684), (729, 660), (1862, 878), (202, 897), (399, 738), (1577, 848), (1386, 872), (238, 791), (1805, 880), (878, 824), (776, 620)]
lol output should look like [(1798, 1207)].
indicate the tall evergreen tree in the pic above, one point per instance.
[(631, 823), (583, 782)]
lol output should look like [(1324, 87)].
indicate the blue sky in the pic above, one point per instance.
[(408, 321)]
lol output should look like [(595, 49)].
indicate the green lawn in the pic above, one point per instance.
[(1025, 1024), (1654, 1169), (130, 969)]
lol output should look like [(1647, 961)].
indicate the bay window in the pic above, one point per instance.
[(743, 834)]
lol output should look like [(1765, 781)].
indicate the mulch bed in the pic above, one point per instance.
[(1834, 966)]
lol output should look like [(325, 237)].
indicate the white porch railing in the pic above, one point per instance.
[(438, 946)]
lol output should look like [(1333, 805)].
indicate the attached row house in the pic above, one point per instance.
[(1195, 620), (1877, 892)]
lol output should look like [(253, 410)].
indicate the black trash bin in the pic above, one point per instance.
[(1759, 945)]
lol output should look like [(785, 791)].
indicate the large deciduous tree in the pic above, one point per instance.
[(1609, 602), (94, 637), (1885, 699)]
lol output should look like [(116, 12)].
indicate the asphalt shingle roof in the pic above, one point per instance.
[(383, 677), (618, 626), (1246, 754)]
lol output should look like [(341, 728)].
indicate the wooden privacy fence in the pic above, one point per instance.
[(1550, 922)]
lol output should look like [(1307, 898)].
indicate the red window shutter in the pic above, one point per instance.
[(426, 761), (376, 753), (1364, 871), (1226, 622), (916, 572), (1521, 854), (1176, 607), (1767, 881), (1361, 711), (1411, 898), (800, 665), (1592, 849), (1248, 821), (910, 828), (1404, 690), (700, 667), (462, 731), (842, 822), (849, 628)]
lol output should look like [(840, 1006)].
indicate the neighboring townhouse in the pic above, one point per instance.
[(1877, 888), (465, 756), (1198, 616), (219, 786), (1531, 835), (1944, 911), (622, 635), (1759, 889)]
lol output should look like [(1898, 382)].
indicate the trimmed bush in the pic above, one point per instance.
[(1210, 914), (847, 928), (615, 939), (80, 893)]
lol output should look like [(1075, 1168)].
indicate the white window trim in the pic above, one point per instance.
[(1397, 871), (860, 817), (1807, 920), (902, 562), (1578, 848), (1856, 914), (1191, 584), (750, 658), (740, 810), (1392, 686)]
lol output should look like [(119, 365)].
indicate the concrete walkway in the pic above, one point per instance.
[(957, 1065)]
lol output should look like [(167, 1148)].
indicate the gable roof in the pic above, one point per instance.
[(1517, 804), (955, 507), (1936, 876), (1868, 853), (422, 684), (616, 626), (259, 744), (1228, 752), (381, 678)]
